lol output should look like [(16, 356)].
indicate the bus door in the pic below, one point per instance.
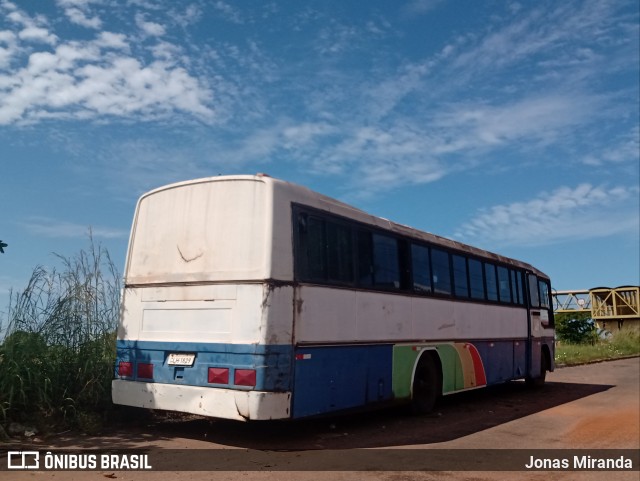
[(541, 329)]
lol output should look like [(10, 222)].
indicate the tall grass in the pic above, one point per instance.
[(56, 361), (623, 343)]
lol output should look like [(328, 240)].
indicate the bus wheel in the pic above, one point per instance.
[(537, 382), (426, 387)]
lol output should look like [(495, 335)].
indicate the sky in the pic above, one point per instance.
[(511, 126)]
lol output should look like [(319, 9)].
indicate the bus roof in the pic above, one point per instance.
[(303, 195)]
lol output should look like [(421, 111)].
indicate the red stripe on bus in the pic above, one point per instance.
[(478, 368)]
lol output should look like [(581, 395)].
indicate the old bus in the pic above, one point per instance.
[(248, 298)]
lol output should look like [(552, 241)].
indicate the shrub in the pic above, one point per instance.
[(57, 358), (576, 328)]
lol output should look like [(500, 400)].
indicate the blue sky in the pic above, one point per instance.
[(512, 126)]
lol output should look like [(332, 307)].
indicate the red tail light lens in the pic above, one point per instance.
[(245, 377), (125, 369), (145, 371), (218, 375)]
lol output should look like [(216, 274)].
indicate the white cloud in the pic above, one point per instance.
[(385, 158), (302, 134), (420, 7), (537, 117), (30, 29), (191, 14), (79, 17), (385, 96), (624, 149), (79, 13), (565, 214), (98, 77), (337, 38), (8, 47), (230, 14), (151, 29), (37, 34), (112, 40)]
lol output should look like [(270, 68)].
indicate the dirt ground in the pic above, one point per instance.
[(594, 406)]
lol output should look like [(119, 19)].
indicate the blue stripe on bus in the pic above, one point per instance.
[(322, 379), (333, 378), (271, 362), (503, 360)]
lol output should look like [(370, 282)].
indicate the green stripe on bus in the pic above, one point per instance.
[(452, 372), (455, 376), (404, 360)]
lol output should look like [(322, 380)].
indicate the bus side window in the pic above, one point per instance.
[(441, 272), (339, 253), (365, 259), (405, 264), (421, 268), (544, 294), (520, 287), (514, 287), (545, 300), (534, 296), (492, 281), (476, 279), (386, 262), (312, 252), (460, 281), (504, 285)]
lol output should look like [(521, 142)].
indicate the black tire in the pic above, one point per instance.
[(426, 387), (538, 382)]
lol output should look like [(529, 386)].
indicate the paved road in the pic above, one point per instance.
[(594, 406)]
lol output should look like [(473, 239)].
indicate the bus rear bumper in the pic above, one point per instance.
[(204, 401)]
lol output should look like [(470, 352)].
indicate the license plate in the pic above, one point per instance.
[(180, 359)]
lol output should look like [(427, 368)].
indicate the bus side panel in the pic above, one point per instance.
[(330, 315), (498, 360), (334, 378), (519, 359)]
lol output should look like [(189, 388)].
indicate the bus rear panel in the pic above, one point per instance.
[(201, 329)]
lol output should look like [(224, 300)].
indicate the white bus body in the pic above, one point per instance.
[(247, 297)]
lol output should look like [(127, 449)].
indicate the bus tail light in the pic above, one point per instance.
[(245, 377), (218, 375), (125, 369), (145, 370)]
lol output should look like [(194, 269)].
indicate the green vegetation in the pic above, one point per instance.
[(576, 328), (621, 344), (57, 357), (580, 341)]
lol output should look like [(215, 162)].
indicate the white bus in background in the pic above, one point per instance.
[(247, 297)]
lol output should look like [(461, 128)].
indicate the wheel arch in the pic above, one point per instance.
[(428, 355)]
